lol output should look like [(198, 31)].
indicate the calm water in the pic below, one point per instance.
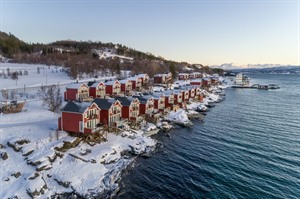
[(247, 147)]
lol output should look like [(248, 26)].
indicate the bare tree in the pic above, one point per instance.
[(52, 98)]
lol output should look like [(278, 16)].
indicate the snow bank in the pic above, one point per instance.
[(178, 116)]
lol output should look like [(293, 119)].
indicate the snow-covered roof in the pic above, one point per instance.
[(196, 80), (141, 75), (94, 85), (112, 82), (124, 81), (183, 74), (133, 78), (76, 107), (75, 86)]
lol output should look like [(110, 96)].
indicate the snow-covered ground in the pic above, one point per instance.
[(35, 165), (31, 159), (38, 75)]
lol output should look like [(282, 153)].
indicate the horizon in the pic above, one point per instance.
[(207, 32)]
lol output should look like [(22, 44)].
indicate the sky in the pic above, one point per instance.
[(194, 31)]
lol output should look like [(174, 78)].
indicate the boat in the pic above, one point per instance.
[(11, 107), (273, 86), (263, 87)]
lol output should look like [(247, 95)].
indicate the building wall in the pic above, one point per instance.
[(93, 92), (71, 94), (125, 112), (104, 116), (109, 89), (70, 121)]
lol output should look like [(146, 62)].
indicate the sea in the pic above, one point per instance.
[(247, 146)]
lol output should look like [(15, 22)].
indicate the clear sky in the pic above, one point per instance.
[(203, 31)]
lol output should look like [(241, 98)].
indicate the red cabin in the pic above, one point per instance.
[(145, 78), (76, 92), (178, 97), (183, 76), (136, 82), (206, 82), (126, 85), (186, 95), (79, 117), (169, 100), (162, 78), (159, 102), (113, 87), (111, 111), (192, 91), (130, 107), (196, 82), (146, 104), (97, 90)]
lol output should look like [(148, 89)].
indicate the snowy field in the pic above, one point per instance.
[(37, 160), (27, 86)]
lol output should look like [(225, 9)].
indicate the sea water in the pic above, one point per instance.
[(248, 146)]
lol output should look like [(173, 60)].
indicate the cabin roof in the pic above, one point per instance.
[(95, 84), (124, 81), (76, 107), (89, 84), (75, 86), (125, 101), (112, 82), (104, 104)]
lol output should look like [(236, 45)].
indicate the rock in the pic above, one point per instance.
[(64, 184), (6, 179), (4, 156), (2, 146), (16, 175), (16, 148), (93, 161), (35, 176)]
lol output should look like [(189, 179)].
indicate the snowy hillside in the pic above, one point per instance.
[(110, 54)]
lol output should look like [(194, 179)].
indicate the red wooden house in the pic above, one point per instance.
[(191, 76), (130, 107), (78, 117), (126, 85), (144, 77), (196, 82), (113, 87), (111, 111), (186, 95), (164, 78), (97, 90), (136, 82), (146, 104), (183, 76), (178, 97), (206, 82), (169, 100), (76, 92), (159, 101), (197, 91), (192, 91)]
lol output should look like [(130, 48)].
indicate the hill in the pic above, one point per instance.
[(88, 56)]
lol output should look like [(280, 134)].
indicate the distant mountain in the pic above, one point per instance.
[(232, 66), (270, 70)]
